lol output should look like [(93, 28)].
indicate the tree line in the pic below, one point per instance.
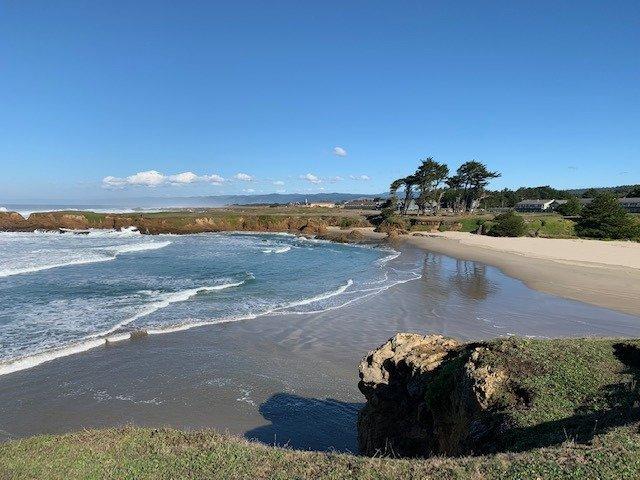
[(508, 198), (432, 187)]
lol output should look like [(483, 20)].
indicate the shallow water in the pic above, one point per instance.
[(285, 378), (66, 293)]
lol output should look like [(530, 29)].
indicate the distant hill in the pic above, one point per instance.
[(270, 198)]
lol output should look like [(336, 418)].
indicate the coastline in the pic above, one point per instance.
[(605, 274)]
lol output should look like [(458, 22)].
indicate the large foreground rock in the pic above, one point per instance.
[(427, 395), (432, 396)]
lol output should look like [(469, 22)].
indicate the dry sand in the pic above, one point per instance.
[(601, 273)]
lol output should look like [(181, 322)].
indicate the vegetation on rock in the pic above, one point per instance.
[(431, 396)]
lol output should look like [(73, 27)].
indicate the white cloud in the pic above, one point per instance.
[(182, 178), (150, 178), (310, 177), (339, 151), (364, 178), (278, 183), (243, 177), (336, 179), (153, 178), (215, 179), (113, 182), (248, 190)]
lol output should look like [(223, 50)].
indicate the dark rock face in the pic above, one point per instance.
[(427, 395)]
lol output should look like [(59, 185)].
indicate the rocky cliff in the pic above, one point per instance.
[(433, 396), (177, 222)]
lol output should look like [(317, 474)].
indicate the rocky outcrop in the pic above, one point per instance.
[(429, 395), (175, 222)]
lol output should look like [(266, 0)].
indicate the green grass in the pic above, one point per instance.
[(550, 226), (572, 405), (566, 389), (142, 453)]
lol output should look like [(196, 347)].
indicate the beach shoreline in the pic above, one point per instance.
[(269, 377), (601, 273)]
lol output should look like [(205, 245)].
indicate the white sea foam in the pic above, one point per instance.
[(19, 271), (40, 358), (92, 255), (317, 298), (392, 256), (102, 338), (164, 301), (137, 247), (284, 249)]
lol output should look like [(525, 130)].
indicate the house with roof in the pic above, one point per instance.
[(631, 204), (535, 205)]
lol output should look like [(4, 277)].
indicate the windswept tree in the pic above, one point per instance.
[(408, 183), (430, 178), (473, 177), (390, 206), (454, 194)]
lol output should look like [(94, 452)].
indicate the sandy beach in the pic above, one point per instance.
[(602, 273)]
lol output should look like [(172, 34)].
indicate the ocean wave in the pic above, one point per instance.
[(124, 232), (284, 249), (94, 255), (106, 337), (317, 298), (136, 247), (165, 299), (20, 271), (392, 256)]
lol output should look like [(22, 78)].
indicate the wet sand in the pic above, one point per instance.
[(285, 379), (602, 273), (568, 268)]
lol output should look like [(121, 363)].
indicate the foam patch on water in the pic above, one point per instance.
[(284, 249), (107, 337), (68, 251)]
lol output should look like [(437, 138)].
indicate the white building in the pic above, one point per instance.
[(543, 205)]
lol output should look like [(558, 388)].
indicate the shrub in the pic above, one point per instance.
[(571, 208), (550, 227), (392, 223), (605, 218), (508, 224)]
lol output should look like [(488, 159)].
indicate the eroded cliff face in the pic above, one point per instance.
[(173, 223), (429, 395)]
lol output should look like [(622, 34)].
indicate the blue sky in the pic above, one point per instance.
[(255, 96)]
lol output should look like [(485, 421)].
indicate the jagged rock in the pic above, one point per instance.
[(427, 395)]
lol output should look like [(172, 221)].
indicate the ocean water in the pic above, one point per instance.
[(67, 293), (26, 209)]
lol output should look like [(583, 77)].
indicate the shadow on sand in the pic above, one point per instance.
[(308, 423)]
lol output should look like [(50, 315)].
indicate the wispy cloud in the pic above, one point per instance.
[(310, 177), (244, 177), (278, 183), (364, 178), (336, 179), (339, 151), (153, 178)]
